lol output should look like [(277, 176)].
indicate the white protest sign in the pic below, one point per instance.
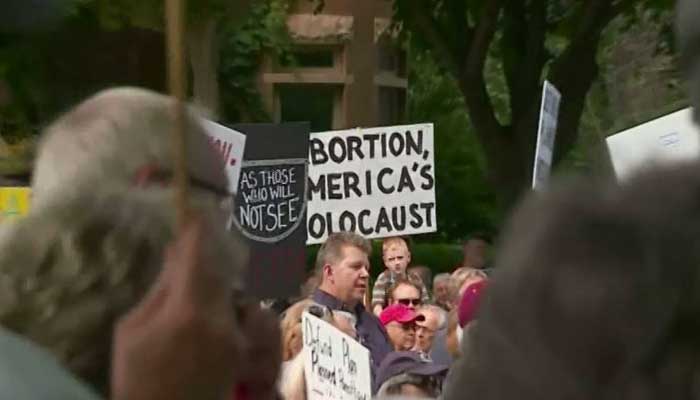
[(546, 132), (665, 140), (231, 145), (335, 365), (378, 182)]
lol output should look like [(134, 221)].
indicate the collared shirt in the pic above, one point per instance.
[(370, 332), (28, 372)]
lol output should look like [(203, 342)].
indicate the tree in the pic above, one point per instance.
[(241, 49), (466, 205), (528, 40), (203, 17)]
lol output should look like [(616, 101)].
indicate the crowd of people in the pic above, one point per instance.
[(594, 294), (415, 324)]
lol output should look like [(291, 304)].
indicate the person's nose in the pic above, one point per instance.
[(364, 272)]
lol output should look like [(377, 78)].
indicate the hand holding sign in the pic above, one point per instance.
[(335, 365)]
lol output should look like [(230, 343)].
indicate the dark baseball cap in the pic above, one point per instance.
[(407, 362)]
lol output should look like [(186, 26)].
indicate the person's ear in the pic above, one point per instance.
[(328, 272)]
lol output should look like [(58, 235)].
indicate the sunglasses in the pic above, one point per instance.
[(409, 302)]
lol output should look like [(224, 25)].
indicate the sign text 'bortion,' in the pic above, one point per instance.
[(377, 182)]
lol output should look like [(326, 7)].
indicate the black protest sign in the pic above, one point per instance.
[(271, 203), (377, 182), (270, 207)]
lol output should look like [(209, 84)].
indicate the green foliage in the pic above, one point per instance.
[(465, 200), (436, 256), (18, 158), (241, 50), (500, 52), (22, 70), (149, 14)]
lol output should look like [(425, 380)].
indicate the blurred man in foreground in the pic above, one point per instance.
[(94, 241), (182, 340), (596, 291)]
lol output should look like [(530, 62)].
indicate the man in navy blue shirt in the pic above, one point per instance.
[(343, 265)]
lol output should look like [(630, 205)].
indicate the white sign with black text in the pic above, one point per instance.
[(377, 182), (231, 145), (336, 367), (546, 133)]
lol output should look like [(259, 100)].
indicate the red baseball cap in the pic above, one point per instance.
[(399, 313), (469, 304)]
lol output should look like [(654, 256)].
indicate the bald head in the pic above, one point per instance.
[(113, 136)]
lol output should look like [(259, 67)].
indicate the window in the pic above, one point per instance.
[(391, 59), (309, 57), (312, 103), (392, 105)]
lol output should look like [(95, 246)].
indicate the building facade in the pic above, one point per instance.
[(347, 72)]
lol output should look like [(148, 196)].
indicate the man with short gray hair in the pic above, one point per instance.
[(103, 215)]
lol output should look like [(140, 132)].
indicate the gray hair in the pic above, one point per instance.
[(391, 388), (441, 314), (69, 270), (108, 138), (442, 277), (352, 319)]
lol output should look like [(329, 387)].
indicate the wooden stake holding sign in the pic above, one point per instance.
[(175, 28)]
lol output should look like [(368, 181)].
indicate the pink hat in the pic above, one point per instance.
[(399, 313), (469, 304)]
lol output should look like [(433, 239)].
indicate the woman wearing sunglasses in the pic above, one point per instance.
[(405, 292)]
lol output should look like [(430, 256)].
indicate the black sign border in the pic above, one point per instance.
[(233, 219)]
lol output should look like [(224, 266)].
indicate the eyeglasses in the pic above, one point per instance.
[(409, 302)]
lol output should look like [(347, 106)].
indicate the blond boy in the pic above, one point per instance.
[(396, 256)]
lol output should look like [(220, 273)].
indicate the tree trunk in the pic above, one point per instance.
[(204, 59)]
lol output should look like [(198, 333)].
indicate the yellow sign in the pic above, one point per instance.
[(14, 202)]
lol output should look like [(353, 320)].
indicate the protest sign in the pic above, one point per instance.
[(335, 365), (378, 182), (231, 145), (669, 139), (546, 132), (14, 202), (270, 206)]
